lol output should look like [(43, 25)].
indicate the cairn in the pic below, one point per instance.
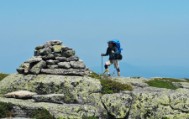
[(54, 58)]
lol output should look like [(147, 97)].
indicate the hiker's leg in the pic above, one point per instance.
[(107, 64), (116, 65)]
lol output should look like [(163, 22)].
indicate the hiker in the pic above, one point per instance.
[(114, 52)]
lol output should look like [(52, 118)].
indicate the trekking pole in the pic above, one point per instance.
[(102, 62)]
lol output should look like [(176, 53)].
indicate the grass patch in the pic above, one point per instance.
[(42, 114), (164, 83), (110, 86), (2, 76), (5, 110)]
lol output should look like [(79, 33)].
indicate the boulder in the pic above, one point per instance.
[(20, 94), (181, 84), (65, 65), (51, 98), (118, 105)]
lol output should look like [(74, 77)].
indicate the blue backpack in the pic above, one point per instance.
[(118, 45)]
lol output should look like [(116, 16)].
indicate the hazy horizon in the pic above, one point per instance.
[(154, 34)]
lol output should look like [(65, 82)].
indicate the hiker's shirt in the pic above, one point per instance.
[(112, 53)]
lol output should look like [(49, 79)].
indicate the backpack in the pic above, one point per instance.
[(118, 46)]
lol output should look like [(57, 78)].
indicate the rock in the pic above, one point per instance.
[(52, 66), (77, 64), (48, 57), (73, 58), (135, 82), (34, 60), (36, 69), (61, 59), (74, 88), (68, 53), (57, 55), (51, 62), (55, 42), (20, 94), (52, 98), (118, 105), (74, 111), (181, 84), (71, 72), (39, 47), (57, 48), (64, 49), (24, 68), (45, 51), (65, 65)]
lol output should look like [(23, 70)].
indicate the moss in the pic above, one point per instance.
[(61, 118), (41, 114), (110, 86), (163, 83), (5, 110), (95, 75), (2, 76)]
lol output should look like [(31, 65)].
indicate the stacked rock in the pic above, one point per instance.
[(53, 58)]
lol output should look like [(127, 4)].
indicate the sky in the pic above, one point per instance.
[(154, 34)]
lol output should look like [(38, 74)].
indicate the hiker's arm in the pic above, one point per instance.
[(105, 54)]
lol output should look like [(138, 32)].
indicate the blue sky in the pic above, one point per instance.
[(154, 34)]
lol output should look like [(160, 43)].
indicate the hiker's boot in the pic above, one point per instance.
[(118, 74)]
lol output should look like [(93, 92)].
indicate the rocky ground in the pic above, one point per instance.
[(80, 97), (56, 84)]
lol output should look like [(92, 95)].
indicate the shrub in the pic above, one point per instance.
[(110, 86), (41, 114), (163, 83), (5, 110), (2, 76)]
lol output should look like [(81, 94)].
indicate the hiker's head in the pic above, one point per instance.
[(110, 44)]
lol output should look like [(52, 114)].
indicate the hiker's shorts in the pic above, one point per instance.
[(115, 62)]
